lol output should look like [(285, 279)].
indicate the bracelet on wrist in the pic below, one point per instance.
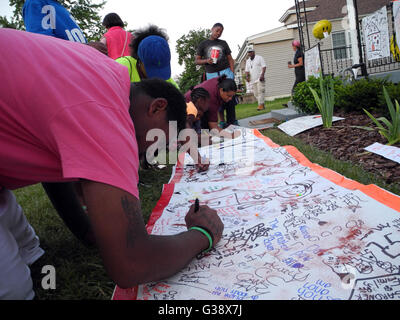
[(207, 234)]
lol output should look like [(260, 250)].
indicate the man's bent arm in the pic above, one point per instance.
[(130, 255)]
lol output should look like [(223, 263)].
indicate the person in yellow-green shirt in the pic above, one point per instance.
[(150, 56)]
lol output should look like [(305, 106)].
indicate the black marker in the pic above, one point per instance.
[(196, 205)]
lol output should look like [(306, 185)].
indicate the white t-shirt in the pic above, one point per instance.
[(254, 67)]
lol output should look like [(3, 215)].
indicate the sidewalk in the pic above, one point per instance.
[(256, 121)]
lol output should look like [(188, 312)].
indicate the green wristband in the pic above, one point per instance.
[(206, 234)]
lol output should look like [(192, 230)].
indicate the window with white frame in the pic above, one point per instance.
[(340, 45)]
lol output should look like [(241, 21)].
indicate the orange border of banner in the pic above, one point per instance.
[(385, 197)]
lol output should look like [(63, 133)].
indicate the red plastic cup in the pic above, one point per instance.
[(215, 51)]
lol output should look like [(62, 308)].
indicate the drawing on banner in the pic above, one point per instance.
[(312, 62), (376, 35), (291, 234), (396, 19), (243, 199), (284, 246), (366, 288)]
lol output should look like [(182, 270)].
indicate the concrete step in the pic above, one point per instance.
[(291, 105), (286, 114), (247, 123)]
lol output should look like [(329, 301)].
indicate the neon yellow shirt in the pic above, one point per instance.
[(130, 63)]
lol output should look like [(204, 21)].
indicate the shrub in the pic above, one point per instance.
[(355, 96), (393, 91), (362, 94), (303, 99)]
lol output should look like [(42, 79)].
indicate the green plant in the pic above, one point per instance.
[(392, 130), (326, 102), (303, 98), (393, 89), (362, 94)]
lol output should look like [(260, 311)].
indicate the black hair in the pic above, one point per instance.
[(158, 88), (199, 93), (218, 25), (112, 20), (226, 84), (140, 34), (98, 46)]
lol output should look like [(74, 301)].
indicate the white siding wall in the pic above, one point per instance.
[(279, 78)]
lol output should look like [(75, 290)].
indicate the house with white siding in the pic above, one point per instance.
[(275, 45)]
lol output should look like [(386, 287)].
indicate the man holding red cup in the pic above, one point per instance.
[(215, 55)]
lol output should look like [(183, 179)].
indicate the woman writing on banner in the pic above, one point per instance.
[(298, 65), (221, 90)]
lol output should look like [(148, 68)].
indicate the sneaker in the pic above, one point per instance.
[(261, 107)]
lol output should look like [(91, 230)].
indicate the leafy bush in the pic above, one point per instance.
[(362, 94), (303, 99), (355, 96)]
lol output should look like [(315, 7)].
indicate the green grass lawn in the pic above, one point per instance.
[(79, 270), (249, 110)]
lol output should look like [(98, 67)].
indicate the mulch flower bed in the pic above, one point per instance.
[(347, 143)]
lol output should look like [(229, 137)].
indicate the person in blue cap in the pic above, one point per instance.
[(49, 17), (151, 58), (150, 55)]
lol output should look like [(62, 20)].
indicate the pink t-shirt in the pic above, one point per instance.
[(64, 114), (118, 39)]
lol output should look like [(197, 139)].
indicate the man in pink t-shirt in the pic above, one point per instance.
[(66, 114)]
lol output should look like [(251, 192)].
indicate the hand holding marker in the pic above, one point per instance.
[(202, 229)]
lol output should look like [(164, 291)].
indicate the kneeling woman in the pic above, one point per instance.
[(221, 90)]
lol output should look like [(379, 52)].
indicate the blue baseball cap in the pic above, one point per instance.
[(154, 52)]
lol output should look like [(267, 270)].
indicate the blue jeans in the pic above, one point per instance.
[(228, 106), (227, 71)]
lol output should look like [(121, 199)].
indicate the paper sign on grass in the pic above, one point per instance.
[(388, 152), (298, 125)]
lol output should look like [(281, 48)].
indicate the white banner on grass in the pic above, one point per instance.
[(289, 232)]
